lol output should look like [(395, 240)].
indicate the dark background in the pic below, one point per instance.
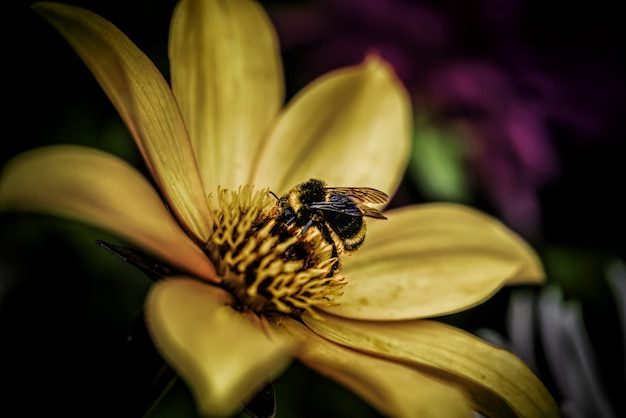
[(66, 305)]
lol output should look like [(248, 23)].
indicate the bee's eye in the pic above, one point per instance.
[(287, 215)]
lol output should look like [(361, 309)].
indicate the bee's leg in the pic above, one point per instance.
[(306, 226), (335, 254), (326, 235), (314, 218), (337, 263)]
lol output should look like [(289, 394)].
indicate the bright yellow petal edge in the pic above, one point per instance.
[(392, 388), (223, 357), (228, 82), (146, 104), (100, 189), (499, 383), (350, 127), (432, 259)]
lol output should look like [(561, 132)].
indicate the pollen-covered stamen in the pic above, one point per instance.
[(267, 264)]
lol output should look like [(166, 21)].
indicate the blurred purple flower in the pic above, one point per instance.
[(486, 65)]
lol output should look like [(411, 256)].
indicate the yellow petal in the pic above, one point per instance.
[(350, 128), (145, 103), (393, 389), (100, 189), (499, 383), (222, 357), (432, 259), (227, 77)]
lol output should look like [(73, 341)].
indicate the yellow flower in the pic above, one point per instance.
[(220, 128)]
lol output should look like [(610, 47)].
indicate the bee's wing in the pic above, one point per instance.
[(339, 203), (372, 213), (360, 194), (347, 205)]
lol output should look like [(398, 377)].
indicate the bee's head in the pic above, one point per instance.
[(286, 213)]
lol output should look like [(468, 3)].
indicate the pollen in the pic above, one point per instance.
[(267, 265)]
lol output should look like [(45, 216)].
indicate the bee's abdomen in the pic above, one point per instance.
[(350, 230), (352, 244), (356, 235), (346, 226)]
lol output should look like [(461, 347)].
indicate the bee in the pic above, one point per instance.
[(337, 212)]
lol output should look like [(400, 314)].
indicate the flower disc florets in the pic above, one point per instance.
[(269, 265)]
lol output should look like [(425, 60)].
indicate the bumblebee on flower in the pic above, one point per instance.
[(361, 322)]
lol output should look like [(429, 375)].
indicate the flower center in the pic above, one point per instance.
[(266, 264)]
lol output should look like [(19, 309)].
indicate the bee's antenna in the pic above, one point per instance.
[(274, 194)]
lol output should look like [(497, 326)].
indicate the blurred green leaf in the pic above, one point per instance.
[(579, 271), (437, 162)]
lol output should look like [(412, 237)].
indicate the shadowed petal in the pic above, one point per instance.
[(499, 383), (227, 77), (146, 104), (570, 356), (616, 276), (432, 259), (222, 357), (103, 190), (350, 128), (394, 389)]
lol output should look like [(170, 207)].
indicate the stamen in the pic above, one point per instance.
[(266, 264)]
